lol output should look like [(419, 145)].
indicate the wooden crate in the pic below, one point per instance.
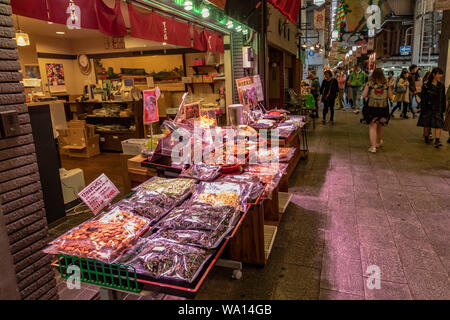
[(270, 233)]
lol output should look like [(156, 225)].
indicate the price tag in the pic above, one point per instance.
[(99, 193)]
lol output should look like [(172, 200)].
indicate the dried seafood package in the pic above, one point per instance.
[(207, 239), (220, 194), (202, 172), (103, 238), (173, 188), (197, 218), (252, 183), (165, 259)]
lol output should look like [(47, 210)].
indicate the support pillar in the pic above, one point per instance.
[(444, 46)]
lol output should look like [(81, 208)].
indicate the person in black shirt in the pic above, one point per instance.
[(329, 91), (412, 79), (433, 105)]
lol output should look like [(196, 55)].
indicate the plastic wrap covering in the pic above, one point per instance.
[(220, 194), (285, 130), (148, 204), (252, 182), (202, 172), (162, 258), (103, 238), (197, 217), (206, 239), (173, 188), (270, 174)]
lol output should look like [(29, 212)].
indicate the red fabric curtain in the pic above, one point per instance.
[(214, 43), (199, 40), (110, 20), (36, 9), (152, 26), (59, 12), (289, 8)]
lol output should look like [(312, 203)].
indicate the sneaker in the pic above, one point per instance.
[(380, 144), (356, 111), (373, 150), (437, 144), (448, 141), (427, 139)]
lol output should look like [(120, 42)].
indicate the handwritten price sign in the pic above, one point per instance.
[(99, 193)]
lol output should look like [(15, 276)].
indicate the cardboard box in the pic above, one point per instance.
[(91, 148), (76, 124), (77, 137)]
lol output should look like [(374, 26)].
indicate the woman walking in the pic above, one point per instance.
[(391, 82), (402, 94), (433, 106), (329, 92), (376, 109)]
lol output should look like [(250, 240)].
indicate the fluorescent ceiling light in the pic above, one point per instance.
[(60, 32)]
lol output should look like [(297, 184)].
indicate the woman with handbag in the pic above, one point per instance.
[(434, 103), (402, 94), (376, 94), (447, 115)]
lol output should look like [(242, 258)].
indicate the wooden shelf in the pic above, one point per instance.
[(284, 199), (211, 84), (270, 233), (215, 66)]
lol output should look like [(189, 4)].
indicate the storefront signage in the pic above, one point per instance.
[(319, 19), (405, 50), (99, 193), (442, 5), (151, 105)]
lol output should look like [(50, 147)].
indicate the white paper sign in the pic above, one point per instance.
[(99, 193)]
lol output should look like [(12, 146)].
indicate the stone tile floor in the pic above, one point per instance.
[(352, 210)]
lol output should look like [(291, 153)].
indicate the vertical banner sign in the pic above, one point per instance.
[(99, 193), (258, 86), (151, 114), (442, 5), (371, 44), (319, 19)]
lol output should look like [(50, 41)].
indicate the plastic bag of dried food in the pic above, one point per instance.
[(197, 217), (202, 172), (253, 183), (220, 194), (103, 238), (268, 168), (148, 204), (173, 188), (207, 239), (166, 259), (286, 154)]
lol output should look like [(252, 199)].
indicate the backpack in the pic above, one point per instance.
[(378, 96)]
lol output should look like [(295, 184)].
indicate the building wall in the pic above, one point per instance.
[(21, 204), (273, 35)]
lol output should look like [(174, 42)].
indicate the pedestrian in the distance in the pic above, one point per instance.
[(329, 92), (415, 86), (341, 79), (447, 115), (357, 81), (315, 91), (434, 103), (402, 93), (391, 82), (376, 93)]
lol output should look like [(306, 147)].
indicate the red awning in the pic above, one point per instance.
[(110, 20), (155, 27), (214, 43), (33, 9), (59, 12), (289, 8)]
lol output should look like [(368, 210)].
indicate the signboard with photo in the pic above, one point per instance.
[(248, 91), (442, 5), (55, 77), (150, 106)]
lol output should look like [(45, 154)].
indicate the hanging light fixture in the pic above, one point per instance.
[(238, 28), (188, 6), (230, 24), (22, 38), (245, 31)]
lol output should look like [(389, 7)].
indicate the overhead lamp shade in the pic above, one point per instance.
[(22, 39)]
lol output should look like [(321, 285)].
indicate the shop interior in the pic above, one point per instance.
[(93, 83)]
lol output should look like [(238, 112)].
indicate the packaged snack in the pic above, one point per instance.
[(173, 188), (103, 238), (252, 182), (197, 218), (202, 172), (206, 239), (162, 258), (220, 194)]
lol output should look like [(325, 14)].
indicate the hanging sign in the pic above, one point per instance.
[(442, 5), (319, 19), (364, 49), (371, 44), (99, 193), (36, 9), (151, 114), (73, 13), (405, 50)]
